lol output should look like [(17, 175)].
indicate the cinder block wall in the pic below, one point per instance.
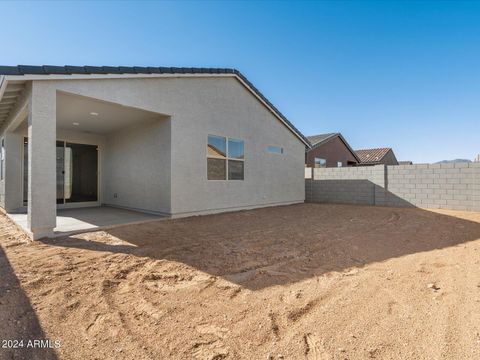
[(447, 186), (347, 185)]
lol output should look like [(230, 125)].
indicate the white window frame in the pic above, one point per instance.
[(339, 164), (226, 158)]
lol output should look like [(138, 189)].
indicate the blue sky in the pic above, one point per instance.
[(396, 74)]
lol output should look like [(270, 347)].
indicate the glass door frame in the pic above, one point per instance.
[(66, 205)]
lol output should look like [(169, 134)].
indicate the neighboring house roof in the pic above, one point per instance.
[(214, 151), (405, 162), (372, 155), (121, 70), (320, 139)]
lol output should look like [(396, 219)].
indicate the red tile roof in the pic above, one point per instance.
[(372, 155)]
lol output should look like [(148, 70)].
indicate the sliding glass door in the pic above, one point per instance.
[(77, 172), (80, 177)]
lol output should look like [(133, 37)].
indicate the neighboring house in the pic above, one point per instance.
[(477, 158), (405, 162), (376, 156), (171, 141), (330, 150)]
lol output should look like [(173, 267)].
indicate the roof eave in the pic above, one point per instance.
[(234, 73), (3, 85), (333, 136)]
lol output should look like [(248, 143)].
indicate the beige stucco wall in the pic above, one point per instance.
[(162, 167), (225, 108), (212, 105), (137, 167)]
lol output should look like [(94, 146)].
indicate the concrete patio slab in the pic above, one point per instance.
[(70, 221)]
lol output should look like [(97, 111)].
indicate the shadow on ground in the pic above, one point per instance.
[(18, 320), (280, 245)]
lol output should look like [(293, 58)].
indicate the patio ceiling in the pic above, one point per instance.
[(85, 114)]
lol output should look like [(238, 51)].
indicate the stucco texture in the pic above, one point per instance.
[(161, 166), (210, 105)]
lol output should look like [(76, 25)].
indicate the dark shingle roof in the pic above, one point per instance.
[(372, 155), (86, 70), (320, 138)]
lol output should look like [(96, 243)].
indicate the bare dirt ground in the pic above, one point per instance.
[(306, 281)]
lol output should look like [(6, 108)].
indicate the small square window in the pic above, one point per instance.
[(320, 163), (339, 164), (225, 158)]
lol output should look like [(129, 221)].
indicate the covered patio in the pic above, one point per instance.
[(75, 162), (72, 221)]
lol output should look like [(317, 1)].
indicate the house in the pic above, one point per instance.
[(330, 150), (376, 156), (405, 162), (477, 158), (168, 141)]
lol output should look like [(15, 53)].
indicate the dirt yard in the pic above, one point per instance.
[(306, 281)]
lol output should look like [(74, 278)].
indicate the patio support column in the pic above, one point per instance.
[(42, 204), (13, 171)]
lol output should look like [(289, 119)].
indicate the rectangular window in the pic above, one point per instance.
[(2, 157), (216, 158), (275, 149), (225, 158), (339, 164), (236, 157), (320, 163)]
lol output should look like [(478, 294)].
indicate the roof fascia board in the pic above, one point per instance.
[(136, 76), (349, 147), (391, 150), (30, 77), (3, 85), (272, 110), (333, 136)]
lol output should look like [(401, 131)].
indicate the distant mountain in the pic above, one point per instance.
[(454, 161)]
